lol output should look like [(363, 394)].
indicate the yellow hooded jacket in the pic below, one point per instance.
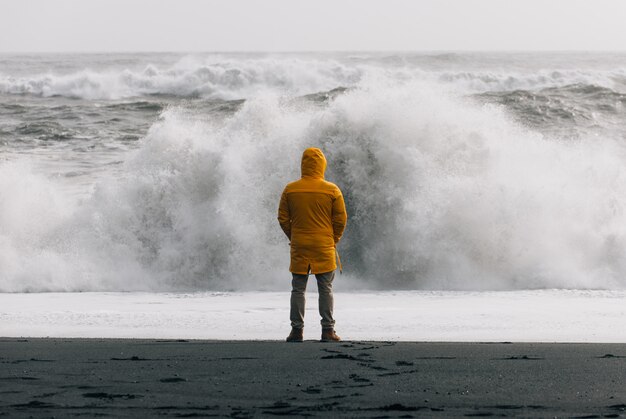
[(313, 216)]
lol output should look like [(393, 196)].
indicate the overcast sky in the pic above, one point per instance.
[(316, 25)]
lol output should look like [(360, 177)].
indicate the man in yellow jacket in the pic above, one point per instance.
[(313, 216)]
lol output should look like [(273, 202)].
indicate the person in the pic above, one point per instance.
[(312, 214)]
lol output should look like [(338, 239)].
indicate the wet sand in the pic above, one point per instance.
[(146, 378)]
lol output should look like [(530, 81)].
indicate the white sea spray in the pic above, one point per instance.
[(443, 192)]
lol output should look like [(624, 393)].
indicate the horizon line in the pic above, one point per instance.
[(373, 51)]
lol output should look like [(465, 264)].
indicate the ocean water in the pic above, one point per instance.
[(162, 172)]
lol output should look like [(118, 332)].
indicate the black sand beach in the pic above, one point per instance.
[(144, 378)]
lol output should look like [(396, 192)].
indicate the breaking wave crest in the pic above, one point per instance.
[(228, 78), (442, 193), (190, 77), (492, 81)]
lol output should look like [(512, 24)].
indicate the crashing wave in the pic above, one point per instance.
[(442, 193)]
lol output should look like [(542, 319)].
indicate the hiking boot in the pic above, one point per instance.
[(296, 335), (329, 335)]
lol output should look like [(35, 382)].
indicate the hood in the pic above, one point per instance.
[(313, 163)]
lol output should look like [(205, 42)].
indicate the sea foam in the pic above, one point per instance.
[(442, 193)]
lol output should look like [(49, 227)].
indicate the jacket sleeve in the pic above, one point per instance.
[(339, 217), (284, 218)]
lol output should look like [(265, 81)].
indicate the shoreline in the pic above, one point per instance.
[(411, 316), (148, 377)]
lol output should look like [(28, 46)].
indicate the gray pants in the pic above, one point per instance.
[(325, 290)]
